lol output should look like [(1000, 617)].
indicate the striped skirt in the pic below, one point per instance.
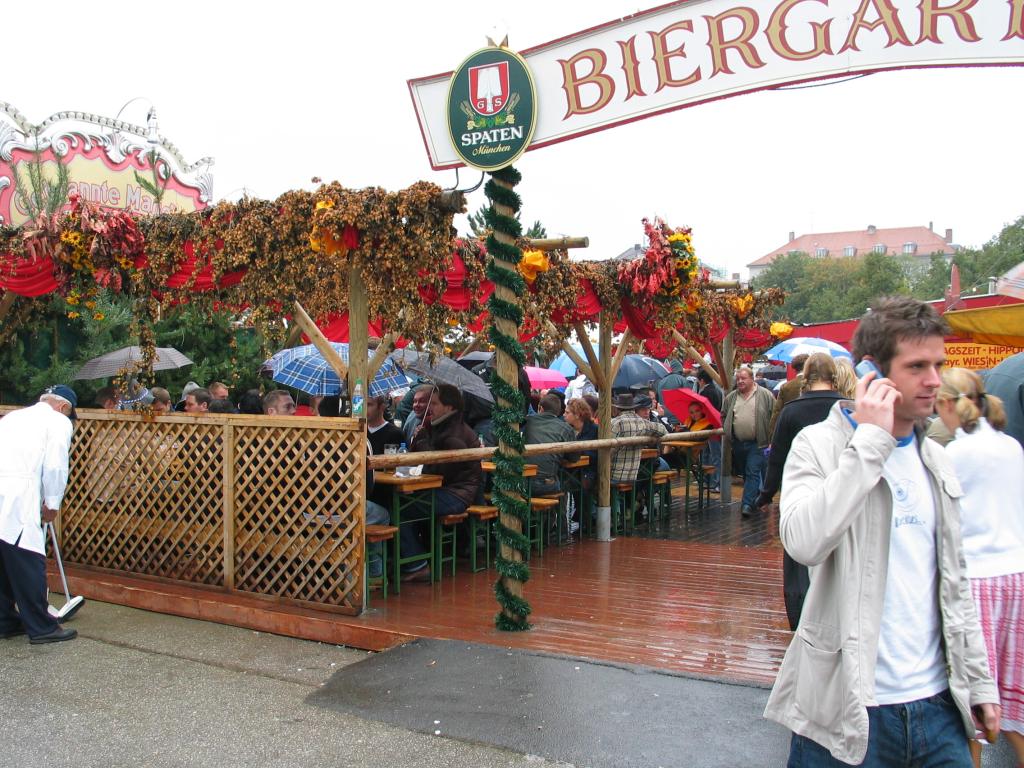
[(1000, 604)]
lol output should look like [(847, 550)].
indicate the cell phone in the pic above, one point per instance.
[(864, 367)]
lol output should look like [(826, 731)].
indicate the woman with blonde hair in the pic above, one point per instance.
[(990, 467), (845, 381), (817, 397)]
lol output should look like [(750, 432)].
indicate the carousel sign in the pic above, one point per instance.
[(492, 109), (105, 160), (687, 53)]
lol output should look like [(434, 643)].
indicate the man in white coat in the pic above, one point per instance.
[(34, 445)]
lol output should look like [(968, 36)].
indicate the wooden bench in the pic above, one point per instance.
[(447, 527), (481, 514), (385, 535)]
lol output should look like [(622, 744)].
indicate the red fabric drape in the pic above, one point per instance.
[(587, 307), (27, 277)]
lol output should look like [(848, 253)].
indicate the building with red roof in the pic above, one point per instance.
[(895, 241)]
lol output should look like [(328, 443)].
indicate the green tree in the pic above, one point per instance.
[(479, 228)]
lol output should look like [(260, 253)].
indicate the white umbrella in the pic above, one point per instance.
[(804, 345), (110, 364)]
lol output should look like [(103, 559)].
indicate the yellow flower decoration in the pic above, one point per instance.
[(781, 330), (742, 304), (532, 264)]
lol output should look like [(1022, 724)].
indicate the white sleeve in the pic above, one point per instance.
[(55, 462)]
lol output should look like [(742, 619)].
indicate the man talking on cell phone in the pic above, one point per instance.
[(887, 663)]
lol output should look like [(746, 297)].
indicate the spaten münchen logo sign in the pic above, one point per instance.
[(492, 108)]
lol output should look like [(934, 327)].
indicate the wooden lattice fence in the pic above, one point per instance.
[(271, 506)]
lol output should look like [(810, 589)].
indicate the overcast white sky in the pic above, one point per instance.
[(280, 92)]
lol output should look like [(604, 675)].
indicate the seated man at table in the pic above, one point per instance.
[(420, 400), (380, 433), (632, 420), (545, 426), (444, 430)]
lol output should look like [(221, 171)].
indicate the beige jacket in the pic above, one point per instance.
[(836, 517)]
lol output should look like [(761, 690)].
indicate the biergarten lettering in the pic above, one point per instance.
[(688, 52), (590, 67)]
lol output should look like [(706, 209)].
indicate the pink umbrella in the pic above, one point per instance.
[(544, 378)]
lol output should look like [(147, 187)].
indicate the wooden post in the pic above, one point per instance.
[(228, 481), (321, 343), (604, 430), (588, 349), (620, 355), (694, 355), (6, 303), (358, 317), (508, 371), (559, 243), (726, 364), (379, 355)]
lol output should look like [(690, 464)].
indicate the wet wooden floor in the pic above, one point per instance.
[(702, 597)]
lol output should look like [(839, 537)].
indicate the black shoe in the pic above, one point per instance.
[(58, 635), (747, 510), (12, 633)]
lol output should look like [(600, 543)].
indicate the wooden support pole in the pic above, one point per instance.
[(559, 243), (604, 430), (724, 284), (728, 355), (508, 370), (228, 505), (592, 357), (572, 353), (620, 355), (358, 343), (696, 356), (379, 355), (474, 345), (294, 336), (6, 303), (320, 341)]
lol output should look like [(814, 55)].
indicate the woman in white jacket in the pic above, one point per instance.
[(990, 466)]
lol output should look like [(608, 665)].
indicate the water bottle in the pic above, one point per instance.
[(402, 469), (358, 404)]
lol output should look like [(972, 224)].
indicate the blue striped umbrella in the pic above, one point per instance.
[(786, 350), (306, 369)]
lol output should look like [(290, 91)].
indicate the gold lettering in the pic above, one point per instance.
[(1016, 28), (662, 55), (719, 45), (776, 34), (631, 68), (886, 17), (572, 83), (964, 24)]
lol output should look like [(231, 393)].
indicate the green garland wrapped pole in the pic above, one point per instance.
[(510, 490)]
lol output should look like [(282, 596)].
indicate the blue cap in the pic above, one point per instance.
[(67, 393)]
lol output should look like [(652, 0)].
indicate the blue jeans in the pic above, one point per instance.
[(927, 733), (748, 457), (712, 455)]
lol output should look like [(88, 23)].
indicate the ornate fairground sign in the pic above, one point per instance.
[(109, 162), (492, 109), (694, 51)]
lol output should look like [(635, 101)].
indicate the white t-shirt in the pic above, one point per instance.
[(910, 663)]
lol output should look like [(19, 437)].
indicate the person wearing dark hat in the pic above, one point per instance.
[(34, 446), (628, 423)]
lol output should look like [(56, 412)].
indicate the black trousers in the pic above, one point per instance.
[(23, 581)]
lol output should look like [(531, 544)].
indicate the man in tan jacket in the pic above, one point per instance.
[(887, 663)]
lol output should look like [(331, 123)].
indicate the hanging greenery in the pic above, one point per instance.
[(510, 487)]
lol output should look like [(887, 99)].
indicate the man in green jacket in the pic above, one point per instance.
[(546, 427), (746, 416)]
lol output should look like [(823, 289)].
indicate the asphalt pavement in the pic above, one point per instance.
[(144, 689)]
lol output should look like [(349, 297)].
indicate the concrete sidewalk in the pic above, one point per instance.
[(144, 689)]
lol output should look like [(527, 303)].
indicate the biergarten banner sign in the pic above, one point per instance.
[(687, 53), (104, 158)]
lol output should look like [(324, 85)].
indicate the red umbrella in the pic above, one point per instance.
[(679, 400), (544, 378)]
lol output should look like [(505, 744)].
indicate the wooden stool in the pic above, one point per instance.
[(485, 515), (662, 485), (379, 534), (618, 517), (446, 534), (560, 497), (539, 507)]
